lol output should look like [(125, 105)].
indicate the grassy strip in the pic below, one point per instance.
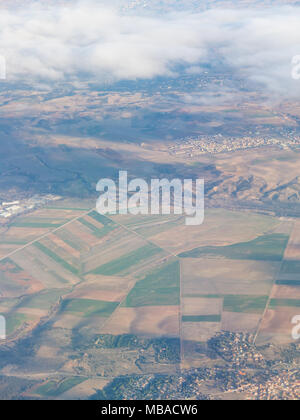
[(275, 303), (290, 267), (201, 318), (89, 307), (292, 283), (98, 232), (264, 248), (36, 225), (54, 389), (160, 287), (120, 264), (56, 257), (245, 303), (101, 219)]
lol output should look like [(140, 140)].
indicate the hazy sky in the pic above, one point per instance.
[(61, 42)]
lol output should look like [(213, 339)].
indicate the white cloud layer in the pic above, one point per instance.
[(86, 39)]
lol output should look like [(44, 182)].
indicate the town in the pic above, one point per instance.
[(192, 146), (10, 209)]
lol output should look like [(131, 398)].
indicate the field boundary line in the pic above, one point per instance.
[(46, 234)]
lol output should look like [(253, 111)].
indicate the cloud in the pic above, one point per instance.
[(89, 41)]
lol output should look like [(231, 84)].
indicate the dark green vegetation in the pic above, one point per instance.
[(12, 242), (275, 303), (54, 388), (43, 300), (167, 350), (96, 231), (106, 221), (56, 257), (294, 283), (160, 287), (290, 267), (109, 225), (244, 303), (89, 307), (126, 261), (201, 318), (264, 248)]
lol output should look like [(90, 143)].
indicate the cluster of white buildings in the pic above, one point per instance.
[(9, 209)]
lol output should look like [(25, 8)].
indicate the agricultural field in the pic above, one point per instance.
[(94, 297)]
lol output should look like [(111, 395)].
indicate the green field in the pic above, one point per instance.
[(89, 307), (160, 287), (36, 225), (43, 300), (275, 303), (106, 221), (201, 318), (290, 267), (54, 389), (293, 283), (264, 248), (14, 321), (12, 242), (216, 296), (126, 261), (56, 257), (98, 232), (68, 239), (244, 303)]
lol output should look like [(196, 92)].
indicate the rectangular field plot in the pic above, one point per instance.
[(148, 226), (292, 283), (38, 223), (195, 306), (275, 303), (56, 388), (57, 258), (240, 322), (283, 291), (117, 244), (290, 267), (264, 248), (199, 331), (43, 300), (201, 318), (127, 261), (107, 288), (227, 277), (161, 321), (43, 268), (245, 303), (88, 307), (159, 287), (97, 224), (84, 389), (221, 228), (292, 251)]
